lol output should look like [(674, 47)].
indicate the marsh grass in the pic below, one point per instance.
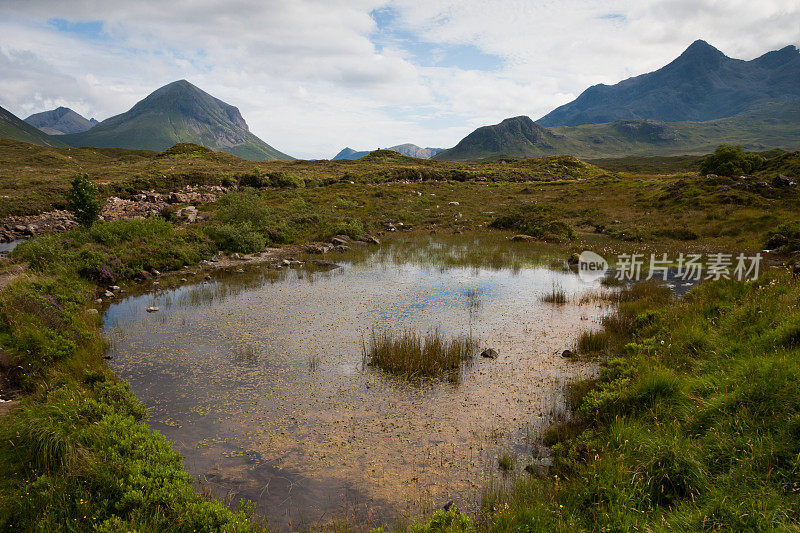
[(557, 295), (413, 355)]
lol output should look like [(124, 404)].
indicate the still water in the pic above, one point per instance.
[(257, 377)]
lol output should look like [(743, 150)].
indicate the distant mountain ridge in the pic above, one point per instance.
[(178, 113), (60, 121), (701, 84), (766, 126), (13, 127), (408, 149)]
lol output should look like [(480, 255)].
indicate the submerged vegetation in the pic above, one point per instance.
[(412, 355)]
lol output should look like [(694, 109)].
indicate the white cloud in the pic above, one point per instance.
[(309, 77)]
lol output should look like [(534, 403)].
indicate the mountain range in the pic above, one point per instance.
[(12, 127), (411, 150), (701, 84), (698, 101), (60, 121)]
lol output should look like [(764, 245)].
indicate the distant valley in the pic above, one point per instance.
[(410, 150)]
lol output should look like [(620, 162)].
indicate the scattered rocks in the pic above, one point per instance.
[(108, 294), (782, 181), (490, 353), (369, 239), (341, 248), (776, 241), (22, 227)]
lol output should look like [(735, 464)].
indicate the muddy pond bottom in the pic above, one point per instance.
[(257, 379)]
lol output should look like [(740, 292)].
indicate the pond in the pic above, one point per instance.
[(257, 376)]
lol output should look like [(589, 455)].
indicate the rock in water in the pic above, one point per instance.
[(152, 309), (489, 353), (567, 353)]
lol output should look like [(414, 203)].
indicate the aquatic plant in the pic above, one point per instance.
[(413, 355), (557, 295)]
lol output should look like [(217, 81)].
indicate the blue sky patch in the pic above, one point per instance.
[(425, 53)]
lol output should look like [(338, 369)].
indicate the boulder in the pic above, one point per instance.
[(340, 240), (490, 353), (776, 241), (152, 309), (567, 353), (782, 181)]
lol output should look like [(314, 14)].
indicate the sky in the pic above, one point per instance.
[(313, 76)]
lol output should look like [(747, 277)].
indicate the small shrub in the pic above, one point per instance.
[(239, 238), (83, 202), (729, 160)]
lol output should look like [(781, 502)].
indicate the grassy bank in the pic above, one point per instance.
[(692, 425), (75, 455)]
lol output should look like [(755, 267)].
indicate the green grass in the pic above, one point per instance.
[(412, 355)]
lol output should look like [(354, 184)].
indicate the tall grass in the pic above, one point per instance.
[(413, 355)]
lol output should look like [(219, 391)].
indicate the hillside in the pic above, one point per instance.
[(770, 125), (179, 113), (514, 137), (60, 121), (408, 149), (701, 84), (12, 127)]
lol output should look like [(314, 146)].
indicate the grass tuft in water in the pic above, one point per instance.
[(557, 295), (413, 355), (505, 462)]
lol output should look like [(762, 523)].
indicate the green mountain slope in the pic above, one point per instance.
[(771, 125), (178, 113), (701, 84), (60, 121), (12, 127)]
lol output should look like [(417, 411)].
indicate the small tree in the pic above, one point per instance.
[(83, 201), (728, 160)]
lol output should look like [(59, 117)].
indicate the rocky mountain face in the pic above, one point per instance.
[(178, 113), (701, 84), (60, 121)]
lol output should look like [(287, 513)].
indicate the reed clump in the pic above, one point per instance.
[(413, 355)]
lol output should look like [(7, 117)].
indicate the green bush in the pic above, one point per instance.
[(239, 238), (535, 221), (83, 201), (729, 160)]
